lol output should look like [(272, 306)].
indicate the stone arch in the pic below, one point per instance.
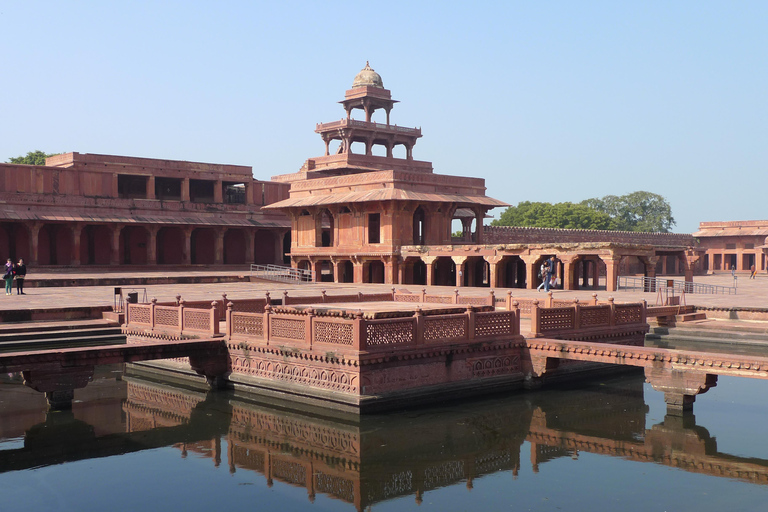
[(170, 246), (444, 270), (14, 241), (325, 271), (325, 229), (95, 245), (346, 272), (264, 247), (373, 271), (54, 246), (511, 272), (133, 245), (234, 247), (477, 272), (203, 246), (415, 271)]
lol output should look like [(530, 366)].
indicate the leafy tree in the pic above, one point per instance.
[(559, 215), (33, 158), (638, 211)]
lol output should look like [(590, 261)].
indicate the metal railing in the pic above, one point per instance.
[(282, 274), (654, 284)]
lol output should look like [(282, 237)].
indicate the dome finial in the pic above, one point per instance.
[(368, 78)]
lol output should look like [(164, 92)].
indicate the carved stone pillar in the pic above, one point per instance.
[(611, 272), (530, 269), (218, 250), (115, 256), (77, 230), (460, 262), (186, 257), (569, 277), (429, 261), (152, 245), (249, 246), (34, 240)]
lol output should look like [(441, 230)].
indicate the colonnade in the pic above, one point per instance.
[(573, 270), (75, 244)]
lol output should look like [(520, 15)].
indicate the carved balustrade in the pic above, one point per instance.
[(171, 321), (352, 331), (576, 318)]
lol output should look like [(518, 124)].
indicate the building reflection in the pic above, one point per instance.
[(365, 460)]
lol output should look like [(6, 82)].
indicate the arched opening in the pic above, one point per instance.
[(373, 272), (54, 245), (325, 268), (264, 247), (419, 226), (133, 245), (203, 246), (477, 272), (14, 241), (586, 272), (95, 245), (444, 271), (234, 247), (346, 272), (170, 246), (511, 272), (326, 229)]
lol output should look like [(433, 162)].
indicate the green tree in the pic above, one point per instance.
[(33, 158), (559, 215), (638, 211)]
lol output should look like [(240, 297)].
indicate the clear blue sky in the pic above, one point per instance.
[(548, 101)]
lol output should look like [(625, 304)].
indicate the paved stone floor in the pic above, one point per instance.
[(750, 293)]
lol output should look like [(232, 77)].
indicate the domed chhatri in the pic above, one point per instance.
[(368, 77)]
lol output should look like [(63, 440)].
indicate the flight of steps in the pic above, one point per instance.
[(715, 332), (29, 336)]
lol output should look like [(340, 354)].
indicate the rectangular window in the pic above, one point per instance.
[(374, 228), (749, 246), (730, 246)]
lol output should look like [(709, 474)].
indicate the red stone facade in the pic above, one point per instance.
[(734, 245), (82, 209)]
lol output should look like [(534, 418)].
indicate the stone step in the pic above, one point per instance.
[(690, 317), (54, 343), (17, 327), (692, 331), (59, 334)]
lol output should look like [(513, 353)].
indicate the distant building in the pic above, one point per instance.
[(82, 209), (735, 244)]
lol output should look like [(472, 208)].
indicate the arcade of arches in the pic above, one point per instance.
[(105, 244), (575, 269)]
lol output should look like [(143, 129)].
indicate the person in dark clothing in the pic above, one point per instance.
[(21, 273)]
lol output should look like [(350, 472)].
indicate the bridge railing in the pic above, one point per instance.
[(581, 319), (282, 274), (454, 298), (172, 321), (345, 331), (653, 284)]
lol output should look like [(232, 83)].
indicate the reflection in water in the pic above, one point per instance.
[(364, 462)]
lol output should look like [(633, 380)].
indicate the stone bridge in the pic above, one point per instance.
[(58, 372), (679, 374)]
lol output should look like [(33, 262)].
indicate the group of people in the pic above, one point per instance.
[(15, 273), (548, 274)]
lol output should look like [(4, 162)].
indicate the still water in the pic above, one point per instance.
[(133, 443)]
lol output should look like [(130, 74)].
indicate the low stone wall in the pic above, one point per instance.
[(736, 313)]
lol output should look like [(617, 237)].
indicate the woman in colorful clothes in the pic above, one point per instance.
[(8, 276)]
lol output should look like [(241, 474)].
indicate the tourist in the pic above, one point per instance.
[(21, 272), (550, 274), (754, 271), (543, 275), (8, 276)]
